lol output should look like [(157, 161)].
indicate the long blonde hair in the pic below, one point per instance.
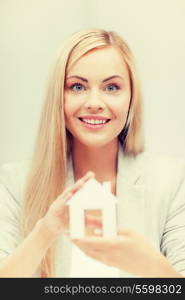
[(48, 169)]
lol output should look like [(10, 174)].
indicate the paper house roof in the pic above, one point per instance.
[(93, 195)]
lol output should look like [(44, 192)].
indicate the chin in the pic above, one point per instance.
[(93, 143)]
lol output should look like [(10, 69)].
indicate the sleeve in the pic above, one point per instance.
[(173, 239), (9, 210)]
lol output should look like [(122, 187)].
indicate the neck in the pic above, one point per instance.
[(100, 160)]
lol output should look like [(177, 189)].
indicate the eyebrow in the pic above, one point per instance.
[(85, 80)]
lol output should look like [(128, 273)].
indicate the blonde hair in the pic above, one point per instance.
[(47, 174)]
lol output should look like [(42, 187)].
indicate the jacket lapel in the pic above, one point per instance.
[(130, 193)]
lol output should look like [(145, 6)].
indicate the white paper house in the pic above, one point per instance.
[(93, 195)]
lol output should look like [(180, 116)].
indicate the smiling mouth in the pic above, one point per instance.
[(81, 119)]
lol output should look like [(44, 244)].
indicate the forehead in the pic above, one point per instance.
[(103, 62)]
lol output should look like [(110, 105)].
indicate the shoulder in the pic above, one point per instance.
[(161, 172), (13, 176), (160, 163), (16, 169), (149, 168)]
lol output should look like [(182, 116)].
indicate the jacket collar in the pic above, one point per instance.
[(129, 167)]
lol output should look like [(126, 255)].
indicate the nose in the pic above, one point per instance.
[(94, 103)]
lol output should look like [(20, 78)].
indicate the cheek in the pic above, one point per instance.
[(121, 109), (67, 111), (68, 114), (69, 108)]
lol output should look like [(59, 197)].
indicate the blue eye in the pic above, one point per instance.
[(77, 87), (112, 87)]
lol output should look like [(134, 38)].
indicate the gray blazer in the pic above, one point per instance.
[(151, 200)]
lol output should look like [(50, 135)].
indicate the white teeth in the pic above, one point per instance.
[(94, 121)]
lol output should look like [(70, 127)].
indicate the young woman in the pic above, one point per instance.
[(92, 121)]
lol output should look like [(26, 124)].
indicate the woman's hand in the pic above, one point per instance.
[(128, 251), (56, 220)]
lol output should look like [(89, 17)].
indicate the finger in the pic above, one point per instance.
[(86, 248), (94, 242), (79, 183), (67, 194), (88, 175), (70, 191), (95, 253), (62, 200), (61, 210)]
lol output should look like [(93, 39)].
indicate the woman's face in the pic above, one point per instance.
[(97, 90)]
